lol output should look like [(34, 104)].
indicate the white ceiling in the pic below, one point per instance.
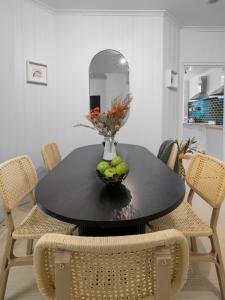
[(187, 12)]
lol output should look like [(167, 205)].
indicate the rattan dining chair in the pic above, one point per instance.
[(173, 157), (205, 177), (147, 266), (168, 153), (18, 179), (51, 156)]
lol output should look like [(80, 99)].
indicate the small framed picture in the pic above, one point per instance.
[(36, 73), (171, 79)]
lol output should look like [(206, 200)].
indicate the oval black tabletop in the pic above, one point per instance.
[(73, 193)]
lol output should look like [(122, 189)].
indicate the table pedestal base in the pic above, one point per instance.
[(116, 231)]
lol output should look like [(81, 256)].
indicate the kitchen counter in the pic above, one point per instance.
[(205, 125), (209, 137)]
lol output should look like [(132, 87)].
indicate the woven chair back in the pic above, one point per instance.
[(51, 156), (206, 177), (173, 157), (18, 178), (111, 267)]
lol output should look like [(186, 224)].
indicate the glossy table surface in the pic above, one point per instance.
[(73, 193)]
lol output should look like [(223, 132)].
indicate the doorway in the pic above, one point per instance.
[(203, 107)]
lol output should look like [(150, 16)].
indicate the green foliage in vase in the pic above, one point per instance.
[(185, 147)]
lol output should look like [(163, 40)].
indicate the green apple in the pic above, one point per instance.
[(110, 172), (116, 160), (102, 166), (122, 168)]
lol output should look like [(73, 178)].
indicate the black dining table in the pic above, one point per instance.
[(72, 192)]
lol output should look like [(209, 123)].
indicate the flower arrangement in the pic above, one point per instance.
[(108, 123)]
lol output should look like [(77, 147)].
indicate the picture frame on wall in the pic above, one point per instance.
[(171, 79), (36, 73)]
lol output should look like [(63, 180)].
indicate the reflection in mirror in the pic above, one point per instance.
[(109, 78)]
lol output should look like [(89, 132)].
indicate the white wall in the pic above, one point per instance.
[(7, 81), (35, 114), (28, 112), (140, 40), (7, 84), (171, 100), (202, 45), (31, 115)]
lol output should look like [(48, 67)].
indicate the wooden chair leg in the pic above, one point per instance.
[(219, 266), (3, 282), (29, 247), (194, 244), (5, 266)]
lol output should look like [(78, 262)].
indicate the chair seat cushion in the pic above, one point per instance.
[(38, 223), (183, 218)]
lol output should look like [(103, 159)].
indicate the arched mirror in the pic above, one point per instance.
[(109, 78)]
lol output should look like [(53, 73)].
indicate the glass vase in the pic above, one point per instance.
[(109, 149)]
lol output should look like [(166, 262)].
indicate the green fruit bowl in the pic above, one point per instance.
[(114, 180), (114, 172)]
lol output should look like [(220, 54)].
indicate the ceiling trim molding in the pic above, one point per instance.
[(205, 28), (203, 63), (41, 4), (109, 12), (171, 18), (102, 12)]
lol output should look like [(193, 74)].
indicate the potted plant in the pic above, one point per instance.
[(185, 149)]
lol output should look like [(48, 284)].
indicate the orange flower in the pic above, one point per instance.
[(122, 107), (113, 112), (94, 114)]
